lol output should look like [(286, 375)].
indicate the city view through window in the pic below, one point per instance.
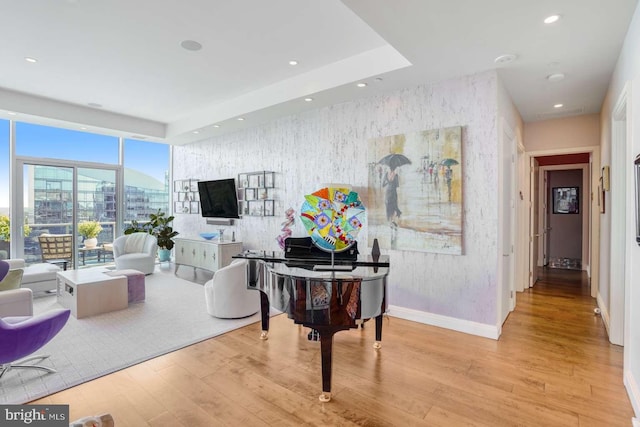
[(66, 173)]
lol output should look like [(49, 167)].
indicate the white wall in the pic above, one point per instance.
[(330, 145), (510, 129), (627, 74), (567, 132)]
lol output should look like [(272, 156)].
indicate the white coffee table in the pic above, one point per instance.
[(89, 292)]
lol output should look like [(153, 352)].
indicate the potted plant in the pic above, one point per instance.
[(163, 231), (5, 235), (89, 230), (158, 226)]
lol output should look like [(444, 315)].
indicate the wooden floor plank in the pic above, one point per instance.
[(552, 366)]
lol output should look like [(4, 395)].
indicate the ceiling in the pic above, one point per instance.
[(119, 67)]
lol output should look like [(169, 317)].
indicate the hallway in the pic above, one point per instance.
[(561, 345)]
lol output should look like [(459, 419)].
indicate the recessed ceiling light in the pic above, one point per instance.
[(138, 137), (83, 128), (551, 19), (308, 99), (196, 132), (32, 60), (361, 85), (293, 62), (505, 59), (558, 105), (216, 126), (191, 45), (11, 113), (556, 77), (240, 118), (94, 105)]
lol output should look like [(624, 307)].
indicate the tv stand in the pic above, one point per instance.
[(209, 255)]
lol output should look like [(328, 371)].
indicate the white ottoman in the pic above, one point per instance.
[(37, 277)]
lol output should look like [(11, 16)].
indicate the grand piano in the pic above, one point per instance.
[(326, 295)]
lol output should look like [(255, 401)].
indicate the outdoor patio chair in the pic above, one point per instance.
[(56, 248)]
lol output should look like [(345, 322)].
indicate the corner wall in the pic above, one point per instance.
[(330, 145), (627, 75)]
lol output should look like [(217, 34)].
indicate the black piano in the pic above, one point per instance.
[(327, 295)]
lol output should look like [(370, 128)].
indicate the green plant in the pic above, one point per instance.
[(5, 228), (158, 226), (89, 229)]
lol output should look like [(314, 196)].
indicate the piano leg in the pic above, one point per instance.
[(326, 345), (378, 344), (264, 312)]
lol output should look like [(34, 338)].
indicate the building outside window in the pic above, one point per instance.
[(49, 200)]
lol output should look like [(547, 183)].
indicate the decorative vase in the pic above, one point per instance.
[(91, 243), (164, 255)]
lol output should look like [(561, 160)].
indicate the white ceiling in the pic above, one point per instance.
[(126, 56)]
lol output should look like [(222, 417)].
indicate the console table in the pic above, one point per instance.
[(327, 297), (209, 255)]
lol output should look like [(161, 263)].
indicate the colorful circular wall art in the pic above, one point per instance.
[(333, 217)]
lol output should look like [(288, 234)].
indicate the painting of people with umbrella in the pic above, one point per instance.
[(390, 183), (448, 173), (416, 203)]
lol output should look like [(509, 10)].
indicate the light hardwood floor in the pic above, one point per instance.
[(552, 366)]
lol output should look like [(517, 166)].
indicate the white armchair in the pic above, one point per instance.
[(227, 296), (136, 251), (16, 302)]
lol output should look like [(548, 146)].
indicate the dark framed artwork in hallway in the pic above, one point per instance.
[(566, 200)]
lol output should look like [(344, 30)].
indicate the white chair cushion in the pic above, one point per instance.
[(40, 272)]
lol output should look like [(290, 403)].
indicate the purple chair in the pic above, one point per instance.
[(4, 269), (23, 335)]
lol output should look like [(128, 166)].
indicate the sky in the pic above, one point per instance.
[(43, 141)]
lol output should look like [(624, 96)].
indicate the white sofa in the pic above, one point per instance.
[(16, 302), (227, 296), (39, 277)]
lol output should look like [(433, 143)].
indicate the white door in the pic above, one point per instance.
[(534, 237), (547, 228)]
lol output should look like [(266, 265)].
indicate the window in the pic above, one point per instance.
[(146, 179), (57, 143), (4, 167)]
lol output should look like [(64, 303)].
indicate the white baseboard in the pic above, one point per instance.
[(604, 312), (466, 326), (633, 391)]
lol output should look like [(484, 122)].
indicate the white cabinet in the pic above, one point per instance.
[(209, 255)]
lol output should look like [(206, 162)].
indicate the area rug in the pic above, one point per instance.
[(173, 316)]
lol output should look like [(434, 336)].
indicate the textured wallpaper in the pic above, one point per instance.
[(329, 145)]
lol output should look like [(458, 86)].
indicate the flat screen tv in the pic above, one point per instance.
[(218, 198)]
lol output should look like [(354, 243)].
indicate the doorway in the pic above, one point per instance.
[(56, 196), (587, 159), (565, 217)]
